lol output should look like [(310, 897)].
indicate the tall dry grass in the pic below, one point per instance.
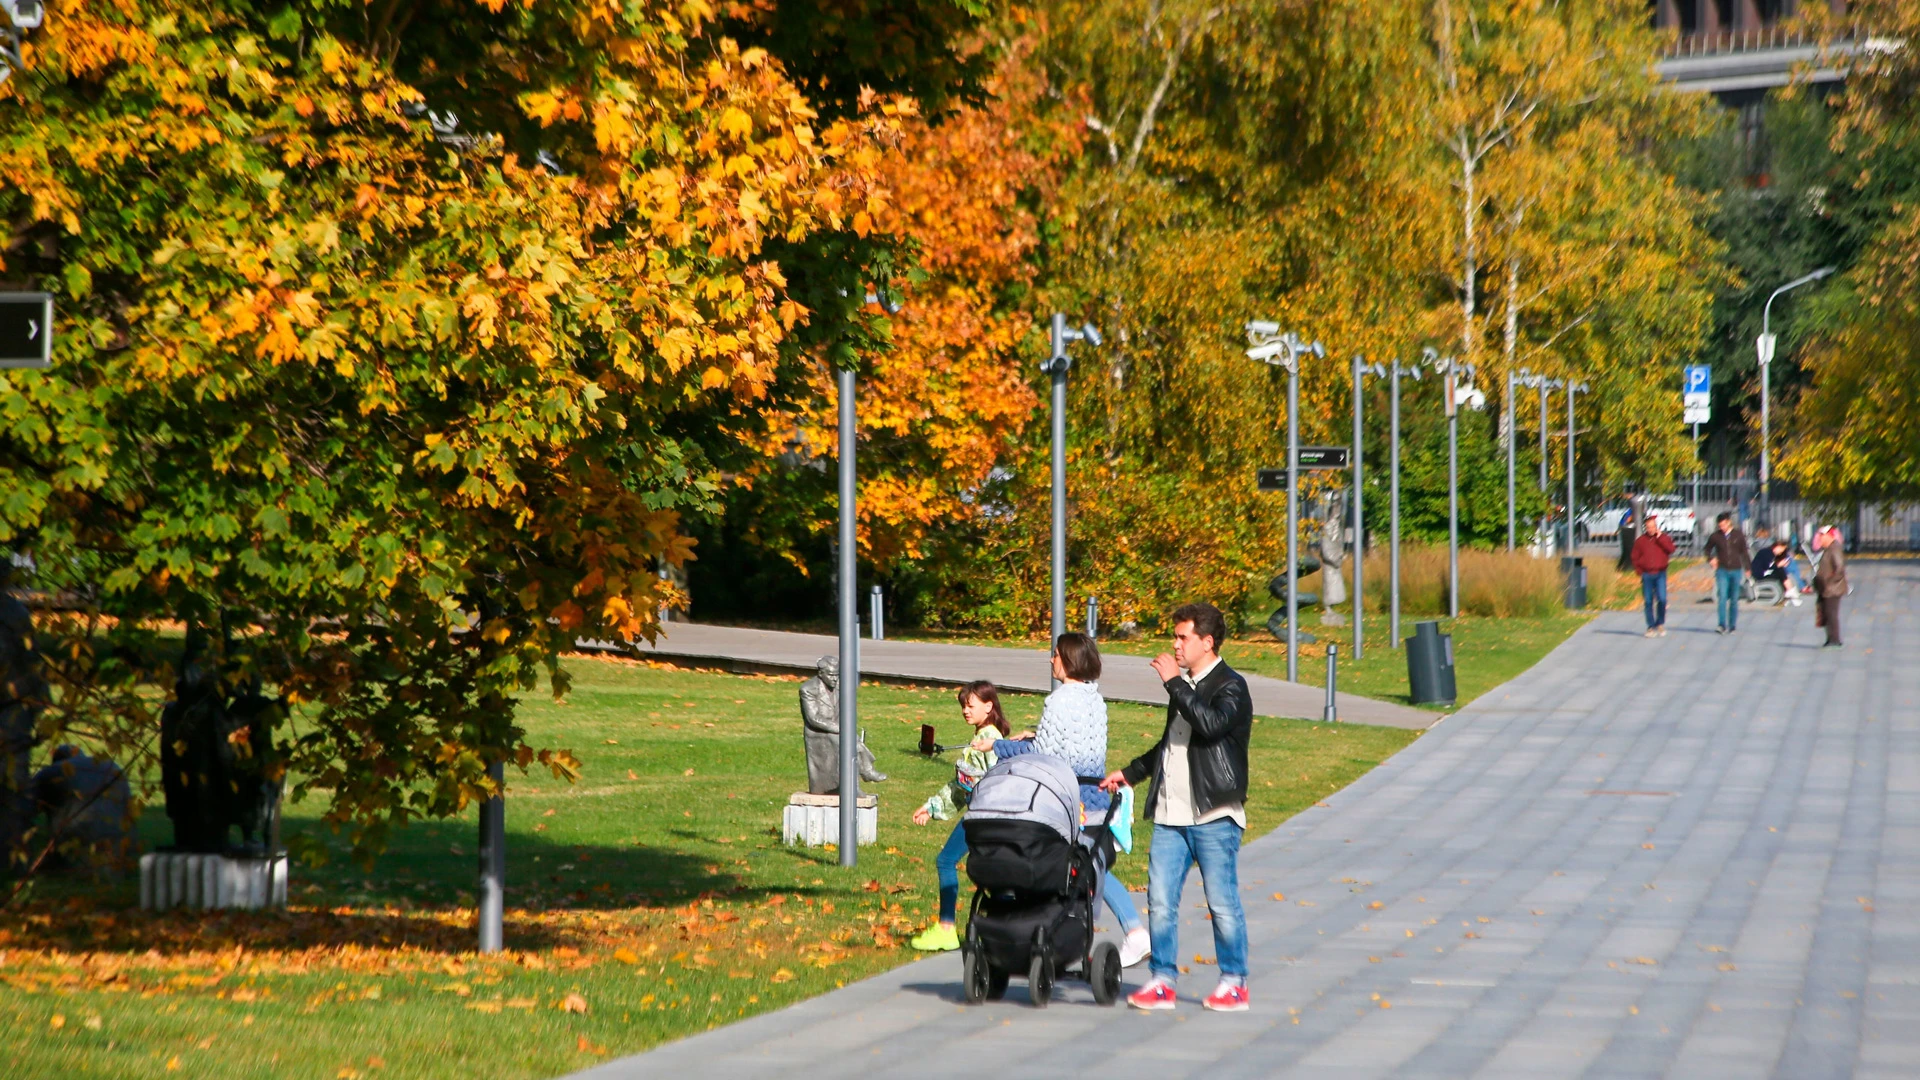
[(1496, 583)]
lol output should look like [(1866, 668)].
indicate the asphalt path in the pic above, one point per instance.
[(1125, 678)]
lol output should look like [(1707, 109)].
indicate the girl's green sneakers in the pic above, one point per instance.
[(937, 938)]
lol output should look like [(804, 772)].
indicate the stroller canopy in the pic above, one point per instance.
[(1037, 788)]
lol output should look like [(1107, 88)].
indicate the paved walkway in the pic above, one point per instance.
[(1691, 857), (1125, 678)]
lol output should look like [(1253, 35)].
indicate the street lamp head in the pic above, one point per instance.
[(1824, 271), (886, 301)]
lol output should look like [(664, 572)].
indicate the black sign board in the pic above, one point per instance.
[(1311, 457), (26, 330)]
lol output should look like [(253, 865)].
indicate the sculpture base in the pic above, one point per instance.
[(1332, 618), (206, 882), (814, 820)]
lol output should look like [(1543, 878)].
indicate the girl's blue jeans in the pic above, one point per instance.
[(947, 866)]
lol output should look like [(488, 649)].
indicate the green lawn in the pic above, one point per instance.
[(650, 900)]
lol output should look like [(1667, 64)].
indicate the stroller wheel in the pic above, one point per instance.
[(974, 976), (996, 983), (1103, 971), (1040, 978)]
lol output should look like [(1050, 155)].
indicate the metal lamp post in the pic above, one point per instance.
[(848, 539), (1573, 506), (1514, 379), (1393, 499), (1057, 365), (1453, 370), (1268, 345), (1765, 348), (1545, 386), (1361, 369)]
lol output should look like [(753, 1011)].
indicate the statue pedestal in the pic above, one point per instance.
[(171, 879), (814, 820)]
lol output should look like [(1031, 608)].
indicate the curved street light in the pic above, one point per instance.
[(1765, 349)]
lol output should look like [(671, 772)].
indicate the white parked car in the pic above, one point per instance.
[(1674, 514)]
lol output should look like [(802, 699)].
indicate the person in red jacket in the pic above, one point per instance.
[(1652, 551)]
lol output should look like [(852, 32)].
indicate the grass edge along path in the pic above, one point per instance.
[(651, 900)]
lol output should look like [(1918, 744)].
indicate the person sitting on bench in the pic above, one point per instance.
[(1775, 562)]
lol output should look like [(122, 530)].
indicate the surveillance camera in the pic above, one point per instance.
[(1262, 327), (1092, 334), (1266, 352), (25, 14), (1317, 350)]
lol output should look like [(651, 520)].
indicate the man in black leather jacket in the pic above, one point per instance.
[(1197, 804)]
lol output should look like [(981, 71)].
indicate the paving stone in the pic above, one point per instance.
[(1769, 930)]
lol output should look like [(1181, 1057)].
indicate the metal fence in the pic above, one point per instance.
[(1873, 526)]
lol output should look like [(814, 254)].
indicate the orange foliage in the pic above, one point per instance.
[(942, 406)]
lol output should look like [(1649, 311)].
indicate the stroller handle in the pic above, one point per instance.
[(1113, 804)]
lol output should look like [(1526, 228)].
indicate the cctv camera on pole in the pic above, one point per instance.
[(1057, 365), (1268, 345)]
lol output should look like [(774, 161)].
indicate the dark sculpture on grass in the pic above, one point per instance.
[(218, 766), (1277, 588), (820, 710)]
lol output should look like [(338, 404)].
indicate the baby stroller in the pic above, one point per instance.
[(1038, 880)]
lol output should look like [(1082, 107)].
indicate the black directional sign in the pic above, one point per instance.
[(1323, 457), (26, 330), (1311, 457)]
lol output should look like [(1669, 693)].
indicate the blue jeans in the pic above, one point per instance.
[(1215, 846), (946, 866), (1114, 892), (1726, 596), (1653, 594)]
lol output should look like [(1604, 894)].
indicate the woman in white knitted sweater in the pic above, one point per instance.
[(1073, 728)]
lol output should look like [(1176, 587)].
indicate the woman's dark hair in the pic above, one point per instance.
[(990, 694), (1079, 656), (1207, 622)]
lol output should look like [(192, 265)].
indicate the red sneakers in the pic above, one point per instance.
[(1157, 994), (1228, 998)]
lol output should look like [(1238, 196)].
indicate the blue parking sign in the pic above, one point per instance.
[(1698, 380)]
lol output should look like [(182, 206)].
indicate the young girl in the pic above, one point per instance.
[(980, 706)]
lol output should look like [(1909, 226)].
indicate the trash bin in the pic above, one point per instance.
[(1430, 665), (1575, 571)]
